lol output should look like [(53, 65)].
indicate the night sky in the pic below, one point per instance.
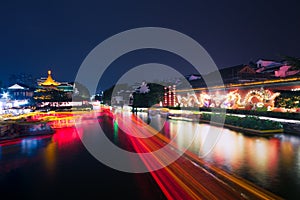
[(39, 35)]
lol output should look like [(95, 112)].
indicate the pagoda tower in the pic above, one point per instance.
[(49, 81), (51, 91)]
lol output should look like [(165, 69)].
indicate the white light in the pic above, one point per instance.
[(5, 95), (16, 104)]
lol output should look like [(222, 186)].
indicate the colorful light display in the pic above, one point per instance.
[(250, 96), (231, 100)]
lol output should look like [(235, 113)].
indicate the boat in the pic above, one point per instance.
[(14, 129)]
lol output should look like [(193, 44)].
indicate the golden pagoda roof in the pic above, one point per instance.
[(49, 81)]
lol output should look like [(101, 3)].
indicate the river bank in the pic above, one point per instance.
[(288, 126)]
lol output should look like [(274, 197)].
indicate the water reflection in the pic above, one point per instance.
[(66, 136), (18, 152), (116, 132), (37, 166), (50, 159), (28, 146), (23, 151), (272, 163)]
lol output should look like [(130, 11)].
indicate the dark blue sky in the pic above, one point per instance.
[(39, 35)]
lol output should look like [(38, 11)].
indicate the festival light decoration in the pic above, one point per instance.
[(5, 95), (231, 100)]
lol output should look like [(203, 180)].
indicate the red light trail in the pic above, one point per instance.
[(186, 178)]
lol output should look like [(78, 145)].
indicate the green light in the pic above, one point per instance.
[(116, 129)]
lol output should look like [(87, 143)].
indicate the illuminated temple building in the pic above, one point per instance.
[(54, 94), (48, 82), (20, 91), (49, 90), (268, 86)]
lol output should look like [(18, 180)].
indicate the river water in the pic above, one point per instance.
[(270, 162), (59, 166)]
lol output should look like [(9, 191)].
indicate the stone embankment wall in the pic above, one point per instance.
[(291, 128)]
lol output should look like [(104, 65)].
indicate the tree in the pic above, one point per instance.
[(80, 92), (148, 95), (143, 89), (107, 94), (288, 99)]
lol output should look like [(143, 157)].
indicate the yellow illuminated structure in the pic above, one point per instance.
[(49, 81), (49, 90)]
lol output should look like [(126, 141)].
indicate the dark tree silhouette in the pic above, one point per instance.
[(154, 96), (107, 94), (80, 92), (26, 79)]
